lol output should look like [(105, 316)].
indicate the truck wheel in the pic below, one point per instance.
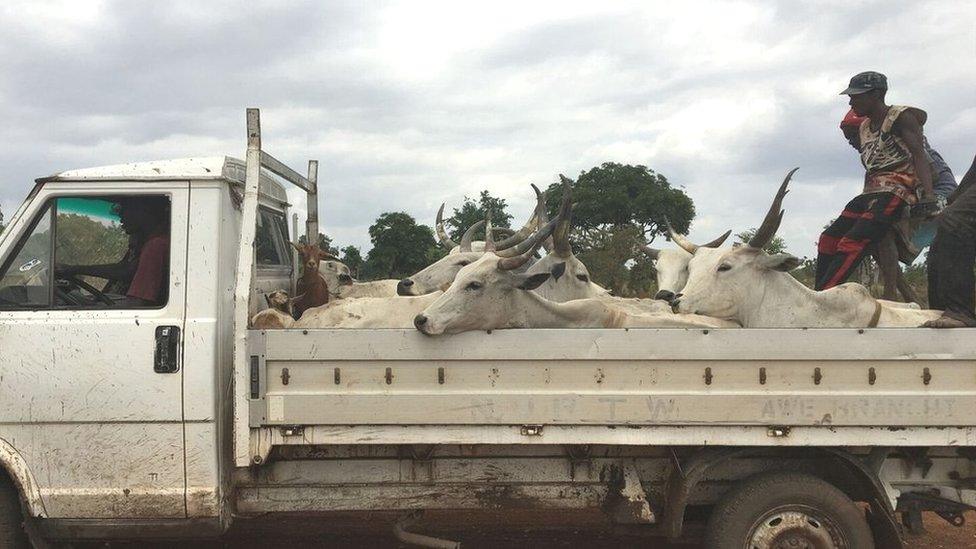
[(787, 510), (12, 534)]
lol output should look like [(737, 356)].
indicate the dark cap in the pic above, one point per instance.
[(865, 82)]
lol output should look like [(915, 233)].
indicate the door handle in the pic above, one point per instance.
[(167, 357)]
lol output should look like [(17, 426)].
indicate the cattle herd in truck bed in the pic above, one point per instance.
[(487, 285)]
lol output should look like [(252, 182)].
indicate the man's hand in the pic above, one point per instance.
[(928, 207)]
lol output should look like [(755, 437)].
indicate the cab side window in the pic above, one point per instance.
[(271, 239), (101, 253)]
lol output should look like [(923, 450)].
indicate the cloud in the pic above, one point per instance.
[(408, 105)]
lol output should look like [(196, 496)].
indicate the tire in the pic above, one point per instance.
[(772, 510), (12, 534)]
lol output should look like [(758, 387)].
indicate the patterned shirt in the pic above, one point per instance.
[(889, 164)]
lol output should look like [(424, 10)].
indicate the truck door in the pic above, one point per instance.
[(91, 318)]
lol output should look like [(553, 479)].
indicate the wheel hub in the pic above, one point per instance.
[(792, 530)]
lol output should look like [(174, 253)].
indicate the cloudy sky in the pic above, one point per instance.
[(408, 104)]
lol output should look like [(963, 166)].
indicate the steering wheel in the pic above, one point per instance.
[(79, 283)]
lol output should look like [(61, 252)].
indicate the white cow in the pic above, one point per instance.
[(278, 313), (343, 286), (671, 265), (367, 312), (490, 294), (754, 288)]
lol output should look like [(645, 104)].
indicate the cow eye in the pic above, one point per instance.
[(473, 286), (724, 267), (584, 278), (462, 263)]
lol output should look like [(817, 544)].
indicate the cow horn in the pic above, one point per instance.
[(489, 239), (468, 235), (718, 241), (560, 236), (547, 244), (680, 240), (526, 249), (653, 253), (441, 233), (766, 231), (526, 231)]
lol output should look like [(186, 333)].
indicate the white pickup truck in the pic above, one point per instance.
[(166, 417)]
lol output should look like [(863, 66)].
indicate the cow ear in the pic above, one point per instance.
[(558, 270), (531, 282), (267, 298), (779, 262)]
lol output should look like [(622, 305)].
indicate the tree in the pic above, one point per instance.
[(776, 245), (353, 259), (325, 243), (401, 247), (617, 194), (472, 212), (2, 226), (607, 261)]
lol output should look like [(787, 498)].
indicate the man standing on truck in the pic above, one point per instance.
[(892, 151), (952, 285), (143, 273), (914, 237)]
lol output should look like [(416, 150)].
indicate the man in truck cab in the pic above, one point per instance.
[(142, 275)]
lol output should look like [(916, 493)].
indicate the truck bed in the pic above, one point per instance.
[(679, 386)]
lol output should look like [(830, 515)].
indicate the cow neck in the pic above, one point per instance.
[(534, 311), (786, 302)]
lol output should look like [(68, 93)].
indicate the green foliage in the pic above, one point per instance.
[(776, 245), (472, 212), (608, 259), (82, 240), (401, 247), (325, 243), (616, 194), (353, 259)]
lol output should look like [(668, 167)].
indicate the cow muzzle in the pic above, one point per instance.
[(405, 287), (664, 295), (675, 302), (420, 322)]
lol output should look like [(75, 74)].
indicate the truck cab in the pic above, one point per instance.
[(110, 402)]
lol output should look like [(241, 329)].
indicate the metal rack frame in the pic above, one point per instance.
[(256, 160)]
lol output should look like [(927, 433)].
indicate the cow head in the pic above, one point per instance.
[(440, 274), (722, 282), (570, 279), (672, 266), (309, 256), (336, 273), (279, 300), (487, 293)]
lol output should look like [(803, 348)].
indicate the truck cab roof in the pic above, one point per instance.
[(178, 169)]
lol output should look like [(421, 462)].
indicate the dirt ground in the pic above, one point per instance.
[(590, 532)]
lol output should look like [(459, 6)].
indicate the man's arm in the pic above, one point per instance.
[(910, 130), (967, 181), (116, 271)]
